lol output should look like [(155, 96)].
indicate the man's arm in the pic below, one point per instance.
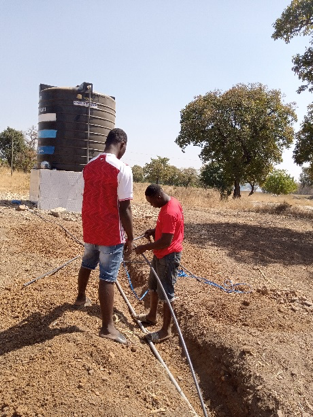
[(127, 222), (162, 243)]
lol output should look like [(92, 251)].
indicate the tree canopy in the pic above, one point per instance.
[(137, 173), (212, 175), (303, 151), (243, 131), (297, 19), (279, 182), (306, 177), (159, 170), (24, 154)]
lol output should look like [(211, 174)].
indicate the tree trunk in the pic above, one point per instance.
[(252, 189), (237, 190)]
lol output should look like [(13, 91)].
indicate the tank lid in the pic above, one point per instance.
[(44, 86), (82, 88)]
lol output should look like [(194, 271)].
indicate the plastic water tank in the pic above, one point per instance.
[(73, 124)]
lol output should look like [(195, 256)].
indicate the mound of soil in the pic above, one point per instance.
[(251, 350)]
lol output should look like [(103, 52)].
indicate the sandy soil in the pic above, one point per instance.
[(252, 352)]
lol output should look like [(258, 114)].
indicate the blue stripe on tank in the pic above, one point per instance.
[(47, 133), (45, 150)]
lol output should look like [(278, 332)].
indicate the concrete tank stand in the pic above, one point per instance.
[(51, 189)]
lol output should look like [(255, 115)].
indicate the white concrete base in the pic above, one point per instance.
[(51, 189)]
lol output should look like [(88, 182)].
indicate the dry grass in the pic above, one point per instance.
[(298, 205), (197, 198), (17, 183), (190, 197)]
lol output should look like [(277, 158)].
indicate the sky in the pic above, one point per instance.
[(154, 57)]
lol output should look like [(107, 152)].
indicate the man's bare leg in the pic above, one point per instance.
[(154, 299), (83, 278), (106, 297), (165, 332), (167, 318)]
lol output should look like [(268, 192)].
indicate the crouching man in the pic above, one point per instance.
[(167, 247)]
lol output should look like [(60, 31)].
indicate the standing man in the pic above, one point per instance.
[(106, 214), (167, 246)]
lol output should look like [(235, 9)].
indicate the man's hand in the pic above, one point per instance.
[(129, 247), (140, 249), (149, 233)]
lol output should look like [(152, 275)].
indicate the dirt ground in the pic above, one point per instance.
[(251, 352)]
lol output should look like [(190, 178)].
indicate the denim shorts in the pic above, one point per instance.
[(108, 257), (166, 269)]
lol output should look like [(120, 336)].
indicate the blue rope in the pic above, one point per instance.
[(228, 286), (131, 285)]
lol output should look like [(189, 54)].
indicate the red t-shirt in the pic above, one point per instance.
[(107, 181), (170, 220)]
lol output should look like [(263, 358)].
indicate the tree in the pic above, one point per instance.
[(157, 170), (297, 19), (189, 177), (27, 159), (306, 177), (303, 151), (243, 131), (173, 176), (24, 145), (213, 175), (8, 138), (138, 173), (279, 182), (31, 137)]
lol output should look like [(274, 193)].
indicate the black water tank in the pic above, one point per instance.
[(73, 124)]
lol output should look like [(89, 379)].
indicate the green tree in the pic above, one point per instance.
[(25, 160), (243, 131), (189, 177), (173, 176), (297, 19), (257, 178), (11, 138), (214, 176), (138, 173), (24, 148), (306, 177), (303, 151), (157, 170), (279, 182)]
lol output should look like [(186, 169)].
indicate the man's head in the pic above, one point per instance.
[(156, 196), (117, 142)]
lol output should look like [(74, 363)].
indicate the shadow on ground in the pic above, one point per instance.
[(254, 244), (34, 329)]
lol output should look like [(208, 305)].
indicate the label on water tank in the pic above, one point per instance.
[(47, 117), (45, 150), (47, 133), (85, 104)]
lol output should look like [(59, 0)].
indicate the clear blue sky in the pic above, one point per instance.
[(153, 56)]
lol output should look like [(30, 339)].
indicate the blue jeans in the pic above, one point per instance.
[(108, 257), (166, 269)]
